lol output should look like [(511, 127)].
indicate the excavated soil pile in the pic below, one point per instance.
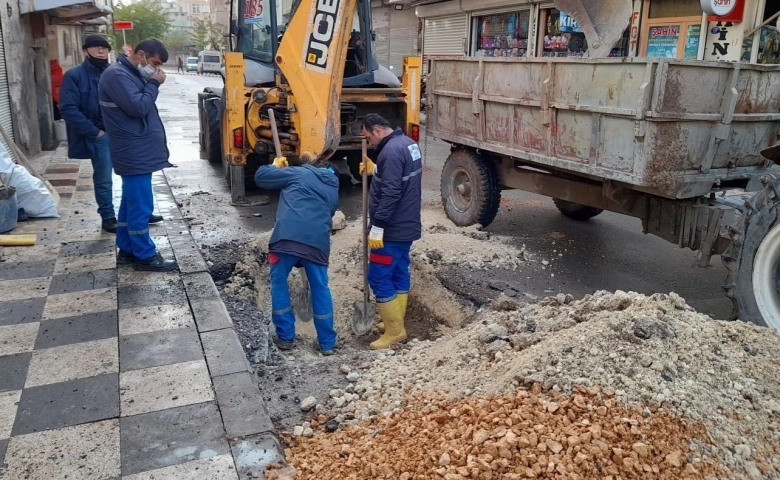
[(651, 353), (521, 436)]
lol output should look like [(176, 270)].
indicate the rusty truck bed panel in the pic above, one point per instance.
[(669, 127)]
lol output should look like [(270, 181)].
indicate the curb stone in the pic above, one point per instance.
[(247, 423)]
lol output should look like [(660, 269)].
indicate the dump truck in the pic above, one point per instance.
[(686, 146), (307, 67)]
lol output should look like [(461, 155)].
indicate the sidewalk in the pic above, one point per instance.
[(110, 373)]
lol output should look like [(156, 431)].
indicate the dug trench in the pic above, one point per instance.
[(498, 382)]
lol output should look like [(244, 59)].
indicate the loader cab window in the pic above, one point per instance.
[(256, 36)]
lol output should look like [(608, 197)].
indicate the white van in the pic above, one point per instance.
[(209, 61)]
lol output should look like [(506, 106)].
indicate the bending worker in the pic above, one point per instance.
[(396, 202), (301, 237)]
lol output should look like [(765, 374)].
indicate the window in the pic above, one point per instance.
[(563, 37), (675, 8), (502, 35), (211, 59), (672, 29)]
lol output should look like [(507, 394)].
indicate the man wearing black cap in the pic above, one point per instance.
[(80, 107)]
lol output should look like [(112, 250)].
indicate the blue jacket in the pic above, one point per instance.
[(396, 189), (136, 136), (309, 198), (80, 108)]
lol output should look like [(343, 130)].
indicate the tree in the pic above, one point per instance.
[(176, 40), (216, 37), (200, 33), (148, 21)]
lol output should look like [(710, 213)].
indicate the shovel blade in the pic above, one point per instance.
[(363, 318), (300, 295)]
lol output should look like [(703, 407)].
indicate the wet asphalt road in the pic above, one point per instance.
[(609, 252)]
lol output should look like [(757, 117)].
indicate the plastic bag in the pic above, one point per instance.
[(31, 194)]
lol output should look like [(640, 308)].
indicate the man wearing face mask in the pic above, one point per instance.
[(84, 124), (128, 91)]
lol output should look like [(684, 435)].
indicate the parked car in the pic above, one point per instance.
[(209, 61), (192, 64)]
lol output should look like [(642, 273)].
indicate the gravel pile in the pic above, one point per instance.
[(652, 352)]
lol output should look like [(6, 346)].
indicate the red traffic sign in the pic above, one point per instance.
[(123, 25)]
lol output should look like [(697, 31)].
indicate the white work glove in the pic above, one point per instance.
[(280, 162), (376, 238)]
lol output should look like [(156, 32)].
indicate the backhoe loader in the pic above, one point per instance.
[(310, 63)]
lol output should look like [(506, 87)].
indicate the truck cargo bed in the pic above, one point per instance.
[(668, 127)]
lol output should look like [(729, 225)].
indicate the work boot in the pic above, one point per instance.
[(156, 219), (109, 225), (124, 258), (392, 315), (403, 299), (284, 345), (155, 263)]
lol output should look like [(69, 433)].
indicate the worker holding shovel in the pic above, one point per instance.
[(395, 206), (301, 237)]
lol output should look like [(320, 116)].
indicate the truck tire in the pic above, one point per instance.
[(470, 189), (752, 259), (213, 132), (575, 211)]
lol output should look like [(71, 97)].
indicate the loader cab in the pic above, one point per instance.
[(259, 26)]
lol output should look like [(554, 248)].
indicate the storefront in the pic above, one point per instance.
[(672, 29), (502, 34)]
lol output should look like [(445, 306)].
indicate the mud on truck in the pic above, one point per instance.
[(306, 66), (684, 145)]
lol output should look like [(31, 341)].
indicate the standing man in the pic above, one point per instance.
[(395, 206), (78, 102), (128, 91), (181, 66), (301, 238)]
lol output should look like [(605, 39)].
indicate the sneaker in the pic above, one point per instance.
[(124, 258), (155, 263), (109, 225), (284, 345), (156, 219)]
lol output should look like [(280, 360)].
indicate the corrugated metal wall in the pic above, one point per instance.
[(396, 35), (6, 120)]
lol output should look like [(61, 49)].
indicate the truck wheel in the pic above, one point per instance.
[(575, 211), (213, 132), (753, 258), (470, 189)]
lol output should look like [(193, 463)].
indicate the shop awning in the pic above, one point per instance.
[(66, 11)]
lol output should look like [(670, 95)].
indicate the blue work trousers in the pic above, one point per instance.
[(132, 228), (101, 178), (282, 315), (388, 270)]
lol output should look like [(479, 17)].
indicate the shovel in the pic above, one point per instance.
[(365, 311)]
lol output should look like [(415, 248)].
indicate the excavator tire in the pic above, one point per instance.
[(470, 188), (213, 132), (575, 211), (752, 258)]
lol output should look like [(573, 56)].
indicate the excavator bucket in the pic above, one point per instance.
[(602, 21)]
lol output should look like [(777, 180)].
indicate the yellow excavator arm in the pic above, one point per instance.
[(311, 58)]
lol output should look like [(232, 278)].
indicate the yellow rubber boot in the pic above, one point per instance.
[(393, 318), (403, 299)]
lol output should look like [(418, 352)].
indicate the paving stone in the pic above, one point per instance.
[(241, 404), (171, 437), (22, 311), (151, 319), (3, 448), (64, 404), (69, 362), (82, 328), (79, 303), (79, 282), (63, 182), (11, 270), (85, 188), (129, 277), (14, 371), (22, 289), (167, 386), (254, 454), (36, 253), (223, 352), (169, 293), (188, 254), (85, 263), (207, 306), (17, 338), (220, 467), (84, 452), (89, 247), (158, 348), (8, 406)]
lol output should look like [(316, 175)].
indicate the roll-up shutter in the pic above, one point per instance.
[(444, 36)]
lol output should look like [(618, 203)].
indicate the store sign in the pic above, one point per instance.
[(123, 25), (662, 41), (718, 8)]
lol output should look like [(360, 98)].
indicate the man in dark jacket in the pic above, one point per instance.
[(128, 91), (301, 237), (86, 134), (395, 206)]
